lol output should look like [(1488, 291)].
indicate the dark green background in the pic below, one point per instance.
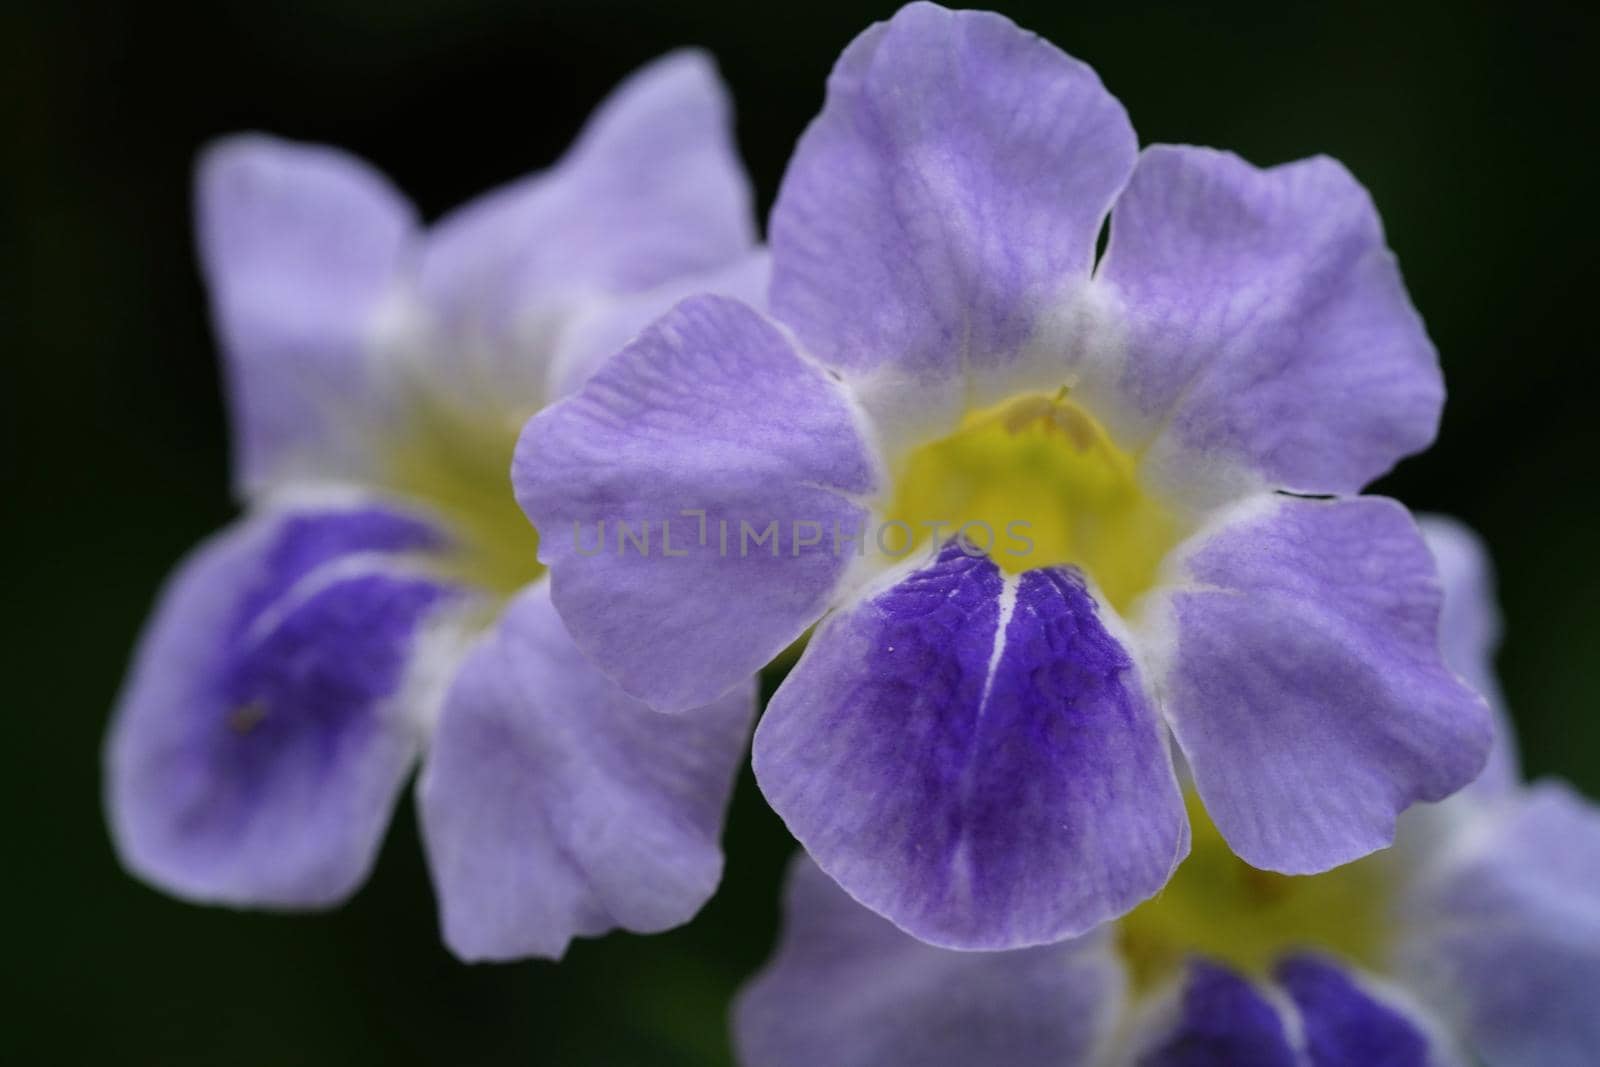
[(1470, 124)]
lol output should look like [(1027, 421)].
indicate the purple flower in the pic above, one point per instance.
[(1150, 463), (1475, 940), (382, 597)]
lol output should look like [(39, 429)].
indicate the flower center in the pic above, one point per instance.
[(1220, 907), (1036, 481), (460, 466)]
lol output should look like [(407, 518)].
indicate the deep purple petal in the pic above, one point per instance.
[(1305, 682), (1344, 1025), (651, 191), (300, 244), (1267, 325), (1215, 1019), (554, 805), (265, 729), (978, 797), (847, 989), (1469, 635), (946, 199), (1504, 936), (709, 410)]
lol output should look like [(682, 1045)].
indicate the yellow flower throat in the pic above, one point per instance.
[(1222, 908), (1041, 480), (461, 468)]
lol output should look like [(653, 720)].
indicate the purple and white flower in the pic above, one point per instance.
[(381, 600), (1475, 940), (1152, 462)]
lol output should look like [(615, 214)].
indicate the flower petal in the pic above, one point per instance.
[(555, 805), (602, 331), (1266, 324), (979, 792), (1215, 1018), (1346, 1025), (1504, 936), (711, 411), (1469, 635), (300, 244), (1304, 680), (651, 191), (847, 989), (944, 202), (269, 719)]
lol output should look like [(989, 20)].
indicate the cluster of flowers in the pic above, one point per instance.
[(1216, 654)]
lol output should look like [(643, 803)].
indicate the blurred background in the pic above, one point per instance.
[(1469, 122)]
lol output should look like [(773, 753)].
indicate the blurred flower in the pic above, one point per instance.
[(382, 596), (975, 744), (1476, 939)]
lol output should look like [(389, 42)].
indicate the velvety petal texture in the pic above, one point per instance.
[(978, 762), (1505, 933), (710, 411), (651, 192), (1266, 323), (847, 989), (1304, 680), (554, 805), (300, 245), (269, 721), (947, 197), (979, 758)]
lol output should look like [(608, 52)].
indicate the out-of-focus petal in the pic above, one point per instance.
[(712, 412), (651, 192), (300, 246), (1343, 1023), (269, 719), (1213, 1018), (1503, 935), (847, 989), (608, 327), (976, 761), (1469, 634), (554, 805)]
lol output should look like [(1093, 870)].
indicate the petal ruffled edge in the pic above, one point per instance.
[(300, 245), (275, 706), (1265, 335), (1298, 657), (707, 457), (652, 192), (1469, 635), (943, 208), (553, 805)]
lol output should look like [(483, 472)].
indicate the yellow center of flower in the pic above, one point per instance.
[(1220, 907), (1041, 481), (460, 467)]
